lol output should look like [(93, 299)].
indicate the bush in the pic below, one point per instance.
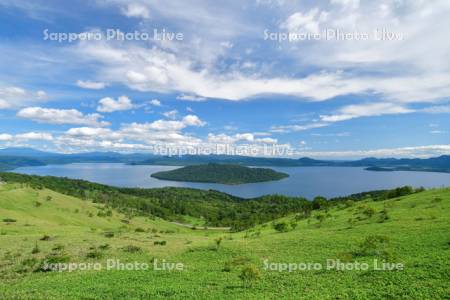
[(28, 265), (368, 212), (9, 220), (373, 245), (249, 275), (58, 248), (45, 238), (132, 249), (161, 243), (139, 229), (52, 259), (384, 216), (104, 247), (281, 227), (108, 234), (320, 202), (94, 254), (218, 242), (227, 267), (37, 203)]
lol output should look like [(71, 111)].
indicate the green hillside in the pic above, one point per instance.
[(220, 173), (38, 225)]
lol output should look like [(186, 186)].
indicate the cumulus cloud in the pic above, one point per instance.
[(61, 116), (108, 104), (13, 97), (93, 85), (239, 137), (133, 136), (155, 102), (40, 136), (193, 120), (5, 137)]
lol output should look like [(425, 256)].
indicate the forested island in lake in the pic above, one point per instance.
[(220, 173)]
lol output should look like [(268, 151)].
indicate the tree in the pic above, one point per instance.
[(320, 202)]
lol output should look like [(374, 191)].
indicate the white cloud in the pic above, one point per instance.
[(365, 110), (308, 22), (416, 151), (13, 97), (239, 137), (227, 44), (136, 10), (170, 114), (5, 137), (438, 109), (61, 116), (190, 97), (93, 85), (155, 102), (289, 128), (40, 136), (192, 120), (108, 104)]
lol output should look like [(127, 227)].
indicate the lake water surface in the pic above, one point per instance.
[(302, 181)]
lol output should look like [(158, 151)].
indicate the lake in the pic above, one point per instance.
[(302, 181)]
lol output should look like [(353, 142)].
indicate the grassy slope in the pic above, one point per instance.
[(418, 229)]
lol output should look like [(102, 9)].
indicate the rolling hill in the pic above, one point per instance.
[(39, 225)]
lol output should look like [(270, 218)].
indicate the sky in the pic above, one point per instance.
[(335, 79)]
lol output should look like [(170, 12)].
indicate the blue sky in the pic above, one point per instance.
[(228, 81)]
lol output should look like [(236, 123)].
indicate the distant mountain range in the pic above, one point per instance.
[(11, 158)]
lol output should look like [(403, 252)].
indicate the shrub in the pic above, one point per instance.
[(52, 259), (28, 265), (132, 249), (373, 245), (320, 202), (45, 238), (139, 229), (104, 247), (281, 227), (37, 203), (161, 243), (218, 242), (9, 220), (227, 267), (108, 234), (321, 218), (368, 212), (384, 216), (48, 198), (58, 248), (436, 200), (249, 275), (94, 254)]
